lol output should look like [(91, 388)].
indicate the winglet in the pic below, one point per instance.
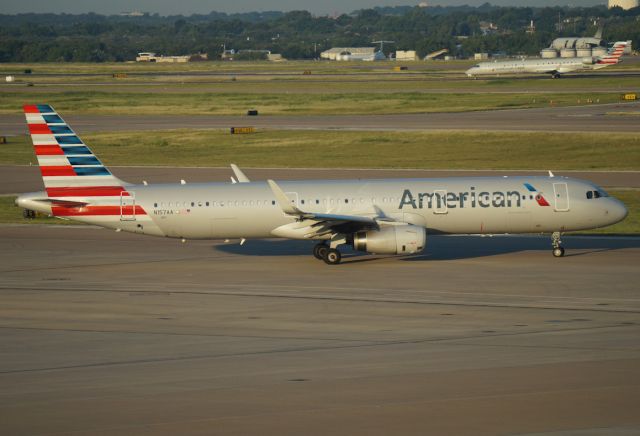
[(283, 200), (242, 178)]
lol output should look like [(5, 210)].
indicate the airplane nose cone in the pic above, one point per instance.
[(616, 211)]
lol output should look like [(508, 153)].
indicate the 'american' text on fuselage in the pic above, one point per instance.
[(452, 200)]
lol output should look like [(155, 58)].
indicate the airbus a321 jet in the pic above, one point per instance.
[(555, 66), (391, 216)]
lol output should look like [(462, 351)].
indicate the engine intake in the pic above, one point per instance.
[(402, 239)]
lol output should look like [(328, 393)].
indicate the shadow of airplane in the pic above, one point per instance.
[(441, 247)]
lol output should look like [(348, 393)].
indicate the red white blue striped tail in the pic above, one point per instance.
[(78, 186), (69, 168), (613, 57)]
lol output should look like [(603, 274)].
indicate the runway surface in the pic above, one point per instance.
[(18, 179), (593, 118), (107, 333)]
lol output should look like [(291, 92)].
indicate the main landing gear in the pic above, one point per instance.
[(558, 249), (28, 214), (331, 256)]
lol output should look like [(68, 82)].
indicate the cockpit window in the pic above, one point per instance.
[(596, 194)]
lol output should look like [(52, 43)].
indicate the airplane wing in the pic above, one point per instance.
[(546, 69), (312, 225)]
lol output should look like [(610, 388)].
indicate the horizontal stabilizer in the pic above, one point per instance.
[(61, 202)]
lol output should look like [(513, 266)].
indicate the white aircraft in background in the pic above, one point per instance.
[(378, 55), (391, 216), (347, 56), (555, 66)]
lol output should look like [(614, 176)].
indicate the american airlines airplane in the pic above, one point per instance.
[(375, 216), (555, 66)]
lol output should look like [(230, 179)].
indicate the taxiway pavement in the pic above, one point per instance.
[(616, 117), (108, 333)]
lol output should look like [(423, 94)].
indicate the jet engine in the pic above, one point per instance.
[(400, 239), (588, 61)]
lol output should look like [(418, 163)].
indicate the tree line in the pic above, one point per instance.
[(300, 35)]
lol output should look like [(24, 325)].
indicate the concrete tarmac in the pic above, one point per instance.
[(107, 333), (616, 117), (20, 179)]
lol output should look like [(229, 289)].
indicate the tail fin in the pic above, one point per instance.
[(68, 166), (598, 34), (613, 57)]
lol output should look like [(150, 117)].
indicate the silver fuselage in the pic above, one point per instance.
[(558, 65), (463, 205)]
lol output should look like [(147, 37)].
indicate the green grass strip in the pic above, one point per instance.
[(347, 149)]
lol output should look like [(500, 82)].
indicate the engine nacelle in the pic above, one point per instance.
[(402, 239), (588, 61)]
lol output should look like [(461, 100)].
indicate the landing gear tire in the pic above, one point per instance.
[(332, 256), (319, 251), (558, 250)]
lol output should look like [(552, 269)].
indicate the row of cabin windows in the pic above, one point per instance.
[(238, 203), (245, 203)]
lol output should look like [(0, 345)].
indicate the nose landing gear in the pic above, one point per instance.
[(558, 249)]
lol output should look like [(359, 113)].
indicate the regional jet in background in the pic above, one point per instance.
[(391, 216), (555, 66)]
